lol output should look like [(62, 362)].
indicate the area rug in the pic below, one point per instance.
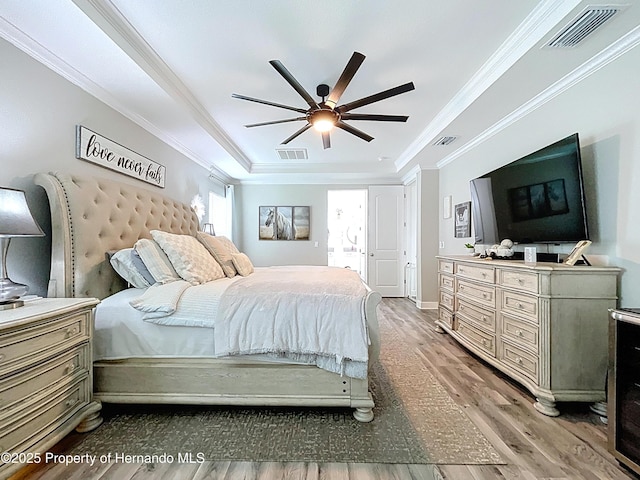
[(415, 421)]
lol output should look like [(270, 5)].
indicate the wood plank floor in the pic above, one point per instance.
[(572, 446)]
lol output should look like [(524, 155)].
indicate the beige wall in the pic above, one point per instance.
[(300, 252), (605, 111), (38, 114), (427, 182)]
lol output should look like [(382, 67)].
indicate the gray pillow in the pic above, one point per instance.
[(141, 267)]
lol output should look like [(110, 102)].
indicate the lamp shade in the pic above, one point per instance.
[(208, 228), (15, 217)]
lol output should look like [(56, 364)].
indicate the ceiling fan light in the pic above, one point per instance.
[(323, 125), (323, 120)]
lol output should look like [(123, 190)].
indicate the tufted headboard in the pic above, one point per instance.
[(91, 216)]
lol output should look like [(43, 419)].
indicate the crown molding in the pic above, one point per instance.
[(411, 175), (41, 54), (598, 61), (109, 19), (544, 17)]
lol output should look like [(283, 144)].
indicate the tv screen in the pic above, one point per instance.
[(535, 199)]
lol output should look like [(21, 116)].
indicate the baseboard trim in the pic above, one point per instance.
[(427, 305)]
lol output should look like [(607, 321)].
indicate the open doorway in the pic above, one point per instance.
[(346, 220)]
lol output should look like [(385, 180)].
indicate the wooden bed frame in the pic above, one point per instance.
[(91, 216)]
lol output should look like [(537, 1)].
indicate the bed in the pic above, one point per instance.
[(91, 216)]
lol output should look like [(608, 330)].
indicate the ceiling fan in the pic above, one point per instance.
[(325, 115)]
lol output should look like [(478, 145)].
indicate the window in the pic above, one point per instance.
[(220, 212)]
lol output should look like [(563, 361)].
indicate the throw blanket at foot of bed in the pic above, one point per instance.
[(311, 314)]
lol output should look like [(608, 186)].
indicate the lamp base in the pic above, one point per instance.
[(11, 290), (11, 304)]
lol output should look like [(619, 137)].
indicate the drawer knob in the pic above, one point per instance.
[(484, 318), (520, 306), (71, 366), (71, 402), (461, 270), (518, 360), (519, 333), (484, 295), (520, 281), (484, 274), (71, 331)]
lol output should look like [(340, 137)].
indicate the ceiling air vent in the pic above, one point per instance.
[(446, 140), (583, 26), (292, 153)]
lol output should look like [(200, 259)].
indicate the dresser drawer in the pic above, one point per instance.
[(446, 282), (521, 333), (31, 343), (446, 317), (446, 299), (520, 360), (484, 294), (476, 272), (16, 388), (50, 412), (480, 316), (525, 281), (477, 337), (524, 305), (445, 266)]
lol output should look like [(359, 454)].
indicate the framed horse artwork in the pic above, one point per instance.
[(283, 223)]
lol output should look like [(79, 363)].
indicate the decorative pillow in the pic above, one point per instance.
[(123, 264), (189, 257), (220, 250), (242, 263), (156, 261)]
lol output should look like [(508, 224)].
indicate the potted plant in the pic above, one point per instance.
[(471, 249)]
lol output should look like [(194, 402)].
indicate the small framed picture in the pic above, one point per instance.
[(462, 225)]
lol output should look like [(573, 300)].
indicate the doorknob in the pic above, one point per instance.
[(371, 254)]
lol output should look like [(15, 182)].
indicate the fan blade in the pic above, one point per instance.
[(294, 83), (347, 75), (378, 118), (297, 119), (302, 130), (392, 92), (264, 102), (326, 140), (354, 131)]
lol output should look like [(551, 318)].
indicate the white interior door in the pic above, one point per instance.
[(386, 256)]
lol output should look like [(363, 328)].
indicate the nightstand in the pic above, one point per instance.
[(46, 376)]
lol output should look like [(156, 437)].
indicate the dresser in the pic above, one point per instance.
[(624, 387), (544, 325), (45, 377)]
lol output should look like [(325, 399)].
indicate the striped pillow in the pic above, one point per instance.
[(189, 257), (156, 261)]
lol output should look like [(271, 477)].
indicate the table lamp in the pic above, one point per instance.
[(208, 228), (15, 221)]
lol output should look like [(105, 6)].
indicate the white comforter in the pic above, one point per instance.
[(299, 312)]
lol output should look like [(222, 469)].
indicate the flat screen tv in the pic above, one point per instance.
[(535, 199)]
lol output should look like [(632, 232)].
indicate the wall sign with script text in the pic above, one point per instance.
[(97, 149)]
